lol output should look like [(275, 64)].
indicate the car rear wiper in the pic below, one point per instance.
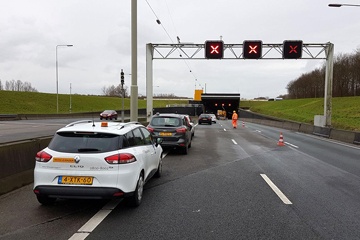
[(88, 150)]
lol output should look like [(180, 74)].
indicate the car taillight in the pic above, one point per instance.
[(42, 157), (181, 130), (150, 129), (120, 158)]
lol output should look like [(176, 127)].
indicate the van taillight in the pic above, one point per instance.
[(42, 157), (121, 158)]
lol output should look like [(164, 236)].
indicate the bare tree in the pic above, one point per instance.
[(18, 86)]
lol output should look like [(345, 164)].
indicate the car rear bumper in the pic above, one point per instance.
[(79, 192), (169, 143)]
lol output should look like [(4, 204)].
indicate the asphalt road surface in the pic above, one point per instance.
[(233, 184)]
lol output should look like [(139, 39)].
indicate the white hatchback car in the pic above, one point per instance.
[(97, 160), (213, 117)]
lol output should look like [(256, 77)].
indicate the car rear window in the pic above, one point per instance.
[(86, 142), (166, 122)]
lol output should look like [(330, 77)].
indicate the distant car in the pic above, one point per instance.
[(108, 115), (97, 160), (192, 124), (205, 118), (173, 129), (213, 117)]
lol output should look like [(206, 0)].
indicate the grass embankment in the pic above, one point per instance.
[(345, 111), (41, 103)]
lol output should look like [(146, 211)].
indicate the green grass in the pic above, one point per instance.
[(40, 103), (345, 111)]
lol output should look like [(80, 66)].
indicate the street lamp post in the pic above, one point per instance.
[(57, 76), (345, 5), (70, 99)]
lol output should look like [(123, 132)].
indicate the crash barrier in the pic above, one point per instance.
[(17, 161), (9, 117), (331, 133)]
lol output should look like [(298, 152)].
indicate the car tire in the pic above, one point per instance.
[(190, 144), (101, 118), (158, 172), (135, 200), (210, 123), (45, 200)]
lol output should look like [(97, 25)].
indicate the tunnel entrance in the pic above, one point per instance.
[(221, 104)]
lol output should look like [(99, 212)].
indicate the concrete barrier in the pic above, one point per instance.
[(342, 135), (306, 128), (17, 163)]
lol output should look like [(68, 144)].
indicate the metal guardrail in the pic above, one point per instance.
[(5, 117)]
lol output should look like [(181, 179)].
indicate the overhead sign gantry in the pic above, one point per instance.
[(249, 49)]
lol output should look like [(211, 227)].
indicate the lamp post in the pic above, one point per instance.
[(345, 5), (70, 98), (57, 77)]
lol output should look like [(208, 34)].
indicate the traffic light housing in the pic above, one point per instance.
[(122, 77), (292, 49), (252, 49), (214, 49)]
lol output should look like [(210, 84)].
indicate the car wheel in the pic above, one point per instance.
[(159, 170), (101, 118), (45, 200), (135, 200), (190, 144), (210, 123)]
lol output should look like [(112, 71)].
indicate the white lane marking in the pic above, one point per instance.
[(258, 131), (292, 145), (224, 129), (234, 141), (90, 225), (276, 189)]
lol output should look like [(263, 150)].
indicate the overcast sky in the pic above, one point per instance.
[(100, 31)]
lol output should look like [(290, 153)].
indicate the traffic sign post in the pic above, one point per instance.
[(122, 81), (289, 49)]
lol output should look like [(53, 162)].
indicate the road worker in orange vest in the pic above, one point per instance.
[(234, 119)]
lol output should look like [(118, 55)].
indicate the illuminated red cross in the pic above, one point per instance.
[(253, 49), (214, 49), (293, 49)]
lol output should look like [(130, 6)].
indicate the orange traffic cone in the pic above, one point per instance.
[(281, 140)]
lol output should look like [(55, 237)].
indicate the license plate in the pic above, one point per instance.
[(75, 180), (165, 134), (63, 160)]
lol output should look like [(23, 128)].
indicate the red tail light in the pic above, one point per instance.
[(181, 130), (121, 158), (42, 157), (150, 129)]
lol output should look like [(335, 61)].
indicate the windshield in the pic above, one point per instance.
[(166, 122)]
